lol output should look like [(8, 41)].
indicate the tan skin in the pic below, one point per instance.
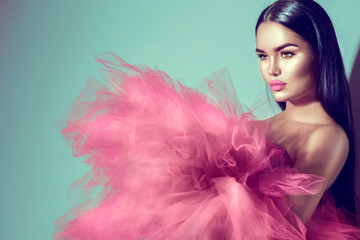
[(313, 140)]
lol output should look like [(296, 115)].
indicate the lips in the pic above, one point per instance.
[(276, 85)]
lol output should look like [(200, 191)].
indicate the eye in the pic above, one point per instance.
[(262, 56), (287, 54)]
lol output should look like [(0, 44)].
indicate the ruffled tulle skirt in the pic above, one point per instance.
[(169, 162)]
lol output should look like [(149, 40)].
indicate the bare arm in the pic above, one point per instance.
[(324, 153)]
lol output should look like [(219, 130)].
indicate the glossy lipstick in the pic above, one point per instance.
[(276, 85)]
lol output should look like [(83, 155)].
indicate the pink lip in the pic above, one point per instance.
[(276, 85), (276, 82)]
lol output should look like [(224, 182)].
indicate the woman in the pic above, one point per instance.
[(307, 77), (177, 164)]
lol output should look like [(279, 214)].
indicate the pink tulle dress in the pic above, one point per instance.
[(170, 163)]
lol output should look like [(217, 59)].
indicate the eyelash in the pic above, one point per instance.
[(286, 53), (283, 53)]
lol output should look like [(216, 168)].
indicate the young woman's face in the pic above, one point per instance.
[(287, 63)]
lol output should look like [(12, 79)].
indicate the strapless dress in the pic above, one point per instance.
[(172, 162)]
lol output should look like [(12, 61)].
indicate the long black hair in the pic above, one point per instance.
[(309, 20)]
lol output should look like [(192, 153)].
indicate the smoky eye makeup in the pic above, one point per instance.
[(287, 54), (261, 56), (284, 54)]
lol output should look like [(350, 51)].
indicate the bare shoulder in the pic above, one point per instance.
[(324, 152), (327, 139)]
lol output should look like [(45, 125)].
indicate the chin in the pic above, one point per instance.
[(280, 97)]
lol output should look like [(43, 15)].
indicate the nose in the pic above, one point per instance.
[(273, 68)]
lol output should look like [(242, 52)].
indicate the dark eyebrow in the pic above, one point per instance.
[(279, 47)]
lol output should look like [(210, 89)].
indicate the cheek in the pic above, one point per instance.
[(299, 70)]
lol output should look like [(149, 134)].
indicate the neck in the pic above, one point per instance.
[(312, 113)]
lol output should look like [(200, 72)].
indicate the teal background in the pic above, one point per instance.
[(47, 53)]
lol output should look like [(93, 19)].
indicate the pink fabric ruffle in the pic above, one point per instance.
[(168, 162)]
